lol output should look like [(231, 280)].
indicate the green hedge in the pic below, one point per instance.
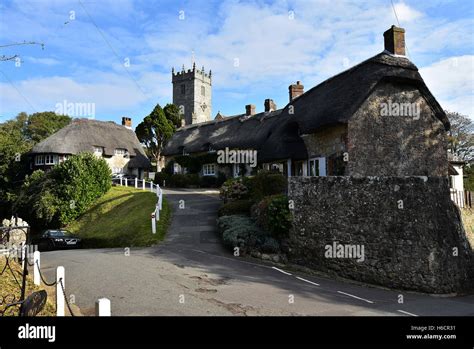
[(265, 183), (273, 215)]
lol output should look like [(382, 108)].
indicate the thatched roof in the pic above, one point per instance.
[(84, 134), (334, 101)]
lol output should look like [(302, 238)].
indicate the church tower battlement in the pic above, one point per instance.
[(192, 92)]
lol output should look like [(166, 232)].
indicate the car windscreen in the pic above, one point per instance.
[(56, 233)]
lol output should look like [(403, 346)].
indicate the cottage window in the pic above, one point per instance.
[(120, 151), (98, 150), (50, 159), (209, 170), (39, 160), (317, 167)]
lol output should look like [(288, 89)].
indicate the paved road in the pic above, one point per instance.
[(191, 274)]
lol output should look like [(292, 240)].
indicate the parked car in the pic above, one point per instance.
[(118, 175), (56, 239)]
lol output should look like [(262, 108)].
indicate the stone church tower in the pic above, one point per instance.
[(192, 94)]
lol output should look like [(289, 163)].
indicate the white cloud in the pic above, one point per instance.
[(452, 82), (406, 13)]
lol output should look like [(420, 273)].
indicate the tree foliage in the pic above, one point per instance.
[(56, 198), (44, 124), (157, 128), (461, 136)]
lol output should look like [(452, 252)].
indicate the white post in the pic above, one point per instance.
[(136, 182), (157, 210), (102, 307), (36, 265), (126, 182), (143, 184), (120, 181), (164, 183), (151, 187), (160, 200), (59, 291), (153, 223)]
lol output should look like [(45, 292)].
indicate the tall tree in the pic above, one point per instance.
[(172, 114), (154, 131), (44, 124), (461, 136)]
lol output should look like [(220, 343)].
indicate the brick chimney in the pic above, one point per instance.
[(296, 90), (249, 109), (127, 122), (394, 39), (270, 105)]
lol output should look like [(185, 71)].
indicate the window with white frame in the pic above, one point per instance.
[(209, 170), (39, 160), (120, 151), (50, 159), (98, 150), (317, 167)]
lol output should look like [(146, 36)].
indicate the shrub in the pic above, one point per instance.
[(234, 189), (208, 181), (235, 207), (270, 245), (241, 231), (162, 178), (58, 197), (182, 180), (265, 183), (273, 215)]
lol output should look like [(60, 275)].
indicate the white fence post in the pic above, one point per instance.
[(59, 291), (151, 187), (23, 255), (153, 223), (102, 307), (126, 182), (160, 200), (143, 184), (136, 182), (36, 266), (120, 181)]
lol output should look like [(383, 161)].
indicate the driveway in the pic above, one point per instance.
[(191, 274)]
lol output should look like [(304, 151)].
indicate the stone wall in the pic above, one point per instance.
[(396, 145), (410, 230)]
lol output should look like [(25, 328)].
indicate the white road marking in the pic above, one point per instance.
[(351, 295), (311, 282), (406, 312), (281, 271)]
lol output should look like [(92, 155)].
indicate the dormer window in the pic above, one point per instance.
[(98, 150), (120, 151)]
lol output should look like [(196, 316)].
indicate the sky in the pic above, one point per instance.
[(117, 55)]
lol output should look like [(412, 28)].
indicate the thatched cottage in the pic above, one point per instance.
[(377, 118), (117, 144)]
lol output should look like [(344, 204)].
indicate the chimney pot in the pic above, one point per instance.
[(127, 122), (270, 105), (295, 90), (249, 109), (394, 40)]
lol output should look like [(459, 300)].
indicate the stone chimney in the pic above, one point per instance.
[(127, 122), (249, 109), (394, 39), (296, 90), (270, 105)]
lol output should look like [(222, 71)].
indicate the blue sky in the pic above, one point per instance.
[(275, 43)]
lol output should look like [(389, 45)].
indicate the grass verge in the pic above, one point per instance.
[(10, 288), (121, 218)]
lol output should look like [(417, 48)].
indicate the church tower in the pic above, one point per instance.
[(192, 91)]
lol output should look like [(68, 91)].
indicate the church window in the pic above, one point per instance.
[(183, 89), (203, 91)]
